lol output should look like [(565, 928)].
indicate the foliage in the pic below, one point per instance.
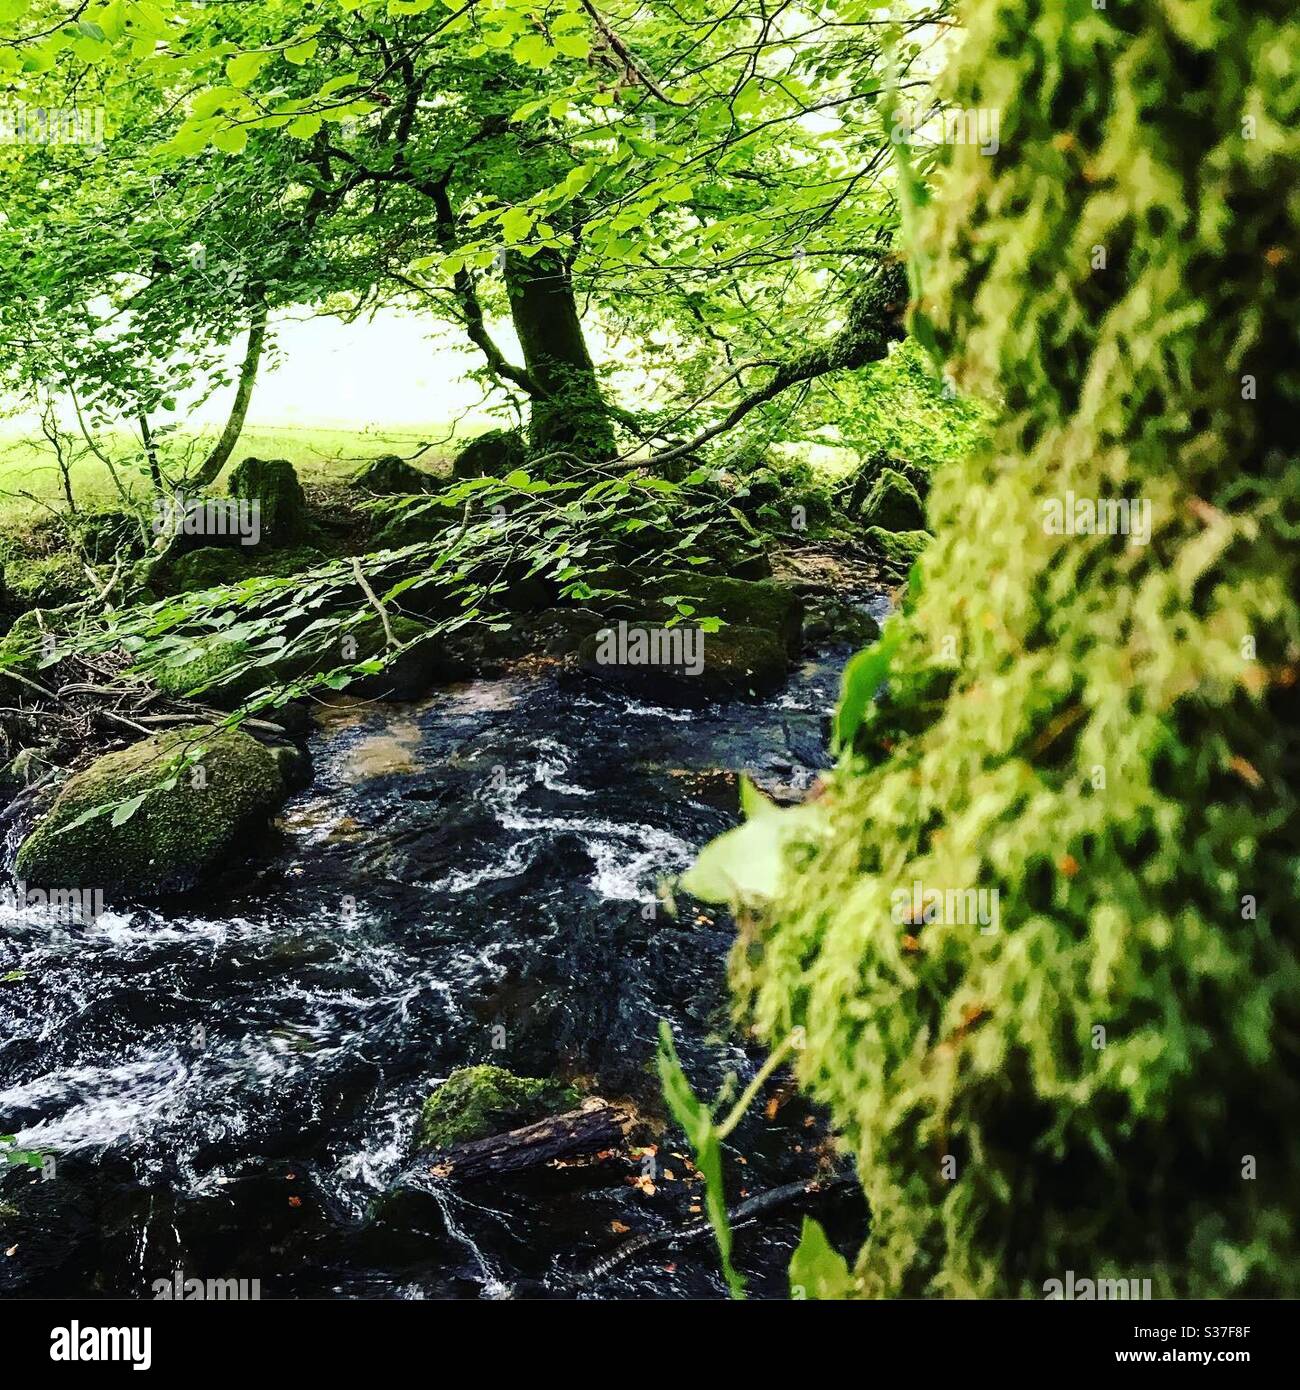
[(1100, 731)]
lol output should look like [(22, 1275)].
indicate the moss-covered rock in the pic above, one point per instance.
[(684, 665), (390, 475), (738, 602), (893, 504), (220, 674), (177, 835), (898, 550), (475, 1102), (492, 455), (207, 568), (759, 489), (282, 507), (46, 581)]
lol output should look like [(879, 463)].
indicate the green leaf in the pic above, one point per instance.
[(244, 67), (516, 224), (126, 809), (231, 140), (300, 53), (573, 45), (534, 51), (747, 865), (696, 1123), (863, 676), (817, 1269)]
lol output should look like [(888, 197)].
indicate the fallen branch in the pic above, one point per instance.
[(597, 1126), (745, 1213)]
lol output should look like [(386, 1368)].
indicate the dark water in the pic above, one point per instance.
[(227, 1090)]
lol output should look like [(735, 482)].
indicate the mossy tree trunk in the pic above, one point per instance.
[(569, 412)]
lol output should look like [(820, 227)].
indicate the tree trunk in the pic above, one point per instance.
[(225, 446), (568, 413)]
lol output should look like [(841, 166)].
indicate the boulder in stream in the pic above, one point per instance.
[(175, 837), (684, 664)]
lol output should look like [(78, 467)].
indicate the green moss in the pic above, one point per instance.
[(208, 672), (208, 567), (899, 550), (273, 484), (893, 504), (47, 581), (1102, 732), (177, 834), (475, 1102)]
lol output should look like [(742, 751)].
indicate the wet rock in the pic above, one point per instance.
[(421, 664), (491, 455), (274, 486), (390, 475), (738, 602), (176, 836), (833, 619), (475, 1102), (893, 504), (693, 666)]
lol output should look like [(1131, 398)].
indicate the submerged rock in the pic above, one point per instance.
[(389, 475), (475, 1102), (282, 506), (176, 836), (893, 503)]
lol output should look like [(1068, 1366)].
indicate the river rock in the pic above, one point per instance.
[(898, 550), (735, 661), (176, 837), (738, 602)]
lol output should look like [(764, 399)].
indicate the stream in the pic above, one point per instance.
[(229, 1088)]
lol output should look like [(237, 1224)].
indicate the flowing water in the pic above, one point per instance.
[(229, 1089)]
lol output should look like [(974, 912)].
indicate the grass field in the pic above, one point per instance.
[(27, 463)]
